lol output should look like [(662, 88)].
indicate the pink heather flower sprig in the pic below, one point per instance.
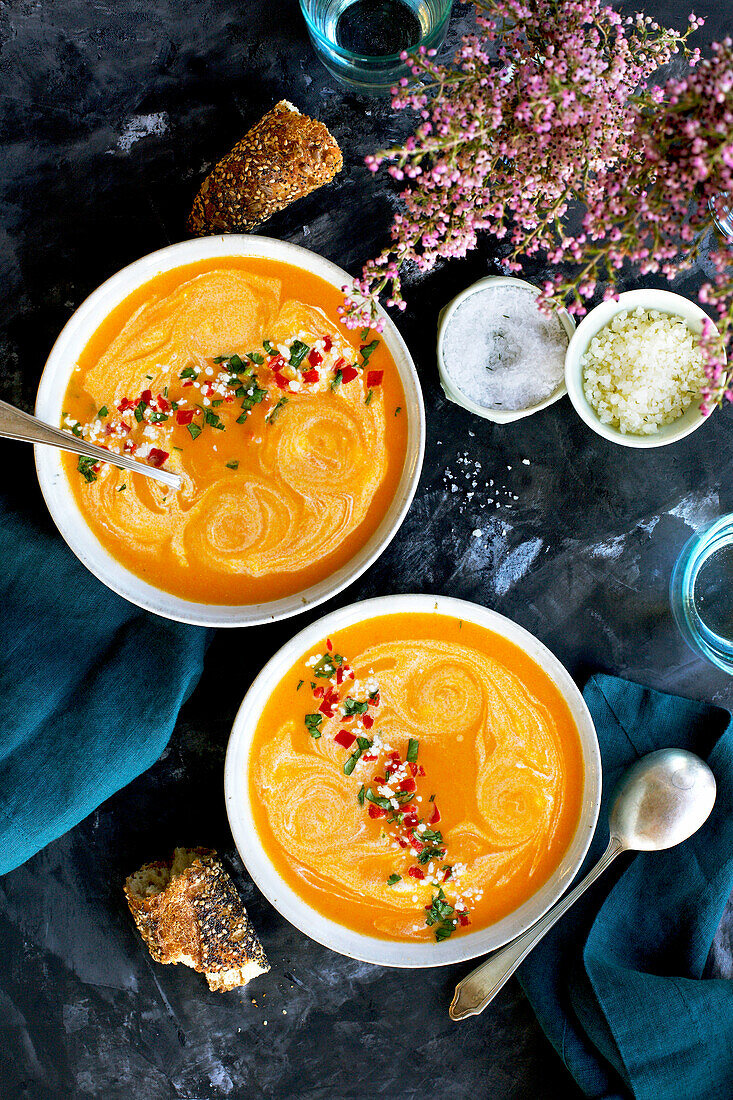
[(547, 131)]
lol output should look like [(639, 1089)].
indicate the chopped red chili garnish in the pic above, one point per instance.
[(420, 770), (327, 343), (315, 358), (157, 457), (329, 645), (378, 779), (162, 404), (374, 378), (402, 843), (367, 720), (413, 768), (343, 737), (125, 404), (375, 811), (407, 785), (319, 692), (435, 818), (339, 676), (415, 872), (146, 396), (281, 381), (462, 918), (277, 362), (369, 756), (374, 702), (348, 374), (311, 376), (185, 416), (130, 447)]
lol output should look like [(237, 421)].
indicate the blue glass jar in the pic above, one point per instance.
[(360, 41), (701, 593)]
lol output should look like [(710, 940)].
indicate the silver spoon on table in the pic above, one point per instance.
[(660, 801), (16, 424)]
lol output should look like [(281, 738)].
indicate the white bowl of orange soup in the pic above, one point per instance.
[(299, 442), (413, 780)]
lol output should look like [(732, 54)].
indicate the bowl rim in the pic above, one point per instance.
[(60, 499), (665, 301), (329, 933), (453, 393)]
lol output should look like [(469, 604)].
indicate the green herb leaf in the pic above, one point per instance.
[(234, 465), (235, 364), (354, 706), (298, 352), (269, 347), (364, 743), (104, 411), (255, 357), (219, 401), (194, 430), (361, 794), (271, 417), (85, 466), (251, 399), (121, 487), (364, 333), (189, 372), (398, 410), (312, 722), (393, 879), (383, 803), (140, 411), (326, 667), (351, 762), (412, 746), (300, 684), (368, 398), (367, 350), (212, 418), (337, 379)]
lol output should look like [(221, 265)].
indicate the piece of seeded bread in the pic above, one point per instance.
[(188, 911), (284, 157)]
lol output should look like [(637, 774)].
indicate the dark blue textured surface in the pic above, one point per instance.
[(110, 114)]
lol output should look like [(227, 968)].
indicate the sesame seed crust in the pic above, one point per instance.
[(284, 157)]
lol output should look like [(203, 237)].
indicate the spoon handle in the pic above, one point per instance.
[(16, 424), (481, 986)]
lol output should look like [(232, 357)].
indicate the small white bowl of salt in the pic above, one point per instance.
[(499, 356)]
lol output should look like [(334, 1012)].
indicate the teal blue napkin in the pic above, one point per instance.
[(617, 985), (90, 688)]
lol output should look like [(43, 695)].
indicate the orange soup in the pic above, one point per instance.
[(289, 433), (415, 777)]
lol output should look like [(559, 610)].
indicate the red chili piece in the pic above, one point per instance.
[(327, 343), (125, 404), (146, 396), (374, 378), (319, 692), (375, 703), (348, 374), (367, 720), (435, 816), (407, 785), (329, 645), (157, 457), (375, 811), (343, 737), (311, 376), (415, 872), (162, 403), (369, 756), (315, 358), (463, 919), (276, 362), (281, 381), (185, 416)]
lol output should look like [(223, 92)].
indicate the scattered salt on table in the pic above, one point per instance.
[(501, 351)]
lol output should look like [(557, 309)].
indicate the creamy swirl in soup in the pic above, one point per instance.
[(415, 777), (289, 432)]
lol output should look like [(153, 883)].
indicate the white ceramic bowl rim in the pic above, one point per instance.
[(336, 936), (60, 498), (452, 391), (665, 301)]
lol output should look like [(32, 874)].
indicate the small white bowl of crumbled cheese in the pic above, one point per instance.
[(634, 370)]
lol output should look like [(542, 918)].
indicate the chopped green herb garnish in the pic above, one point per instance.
[(398, 410), (235, 364), (189, 372), (351, 762), (149, 377), (277, 410), (412, 746), (104, 411), (432, 798), (364, 743), (312, 722), (298, 352), (121, 488), (393, 879), (300, 684), (251, 399), (383, 803), (364, 333), (361, 794), (178, 448), (219, 401), (269, 347), (326, 667), (85, 466), (234, 465), (213, 419), (194, 430), (255, 357), (140, 411), (337, 379), (76, 430), (353, 706), (367, 350), (368, 398)]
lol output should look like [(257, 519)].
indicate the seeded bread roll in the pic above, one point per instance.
[(188, 911), (285, 156)]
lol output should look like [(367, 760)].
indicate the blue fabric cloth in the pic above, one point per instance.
[(90, 688), (617, 984)]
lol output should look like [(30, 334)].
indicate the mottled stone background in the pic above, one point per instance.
[(110, 115)]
